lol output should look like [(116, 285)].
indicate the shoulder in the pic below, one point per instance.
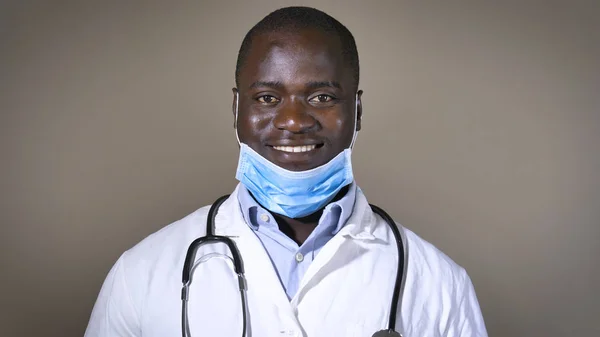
[(441, 289), (168, 246), (168, 240), (155, 262), (429, 256), (424, 261), (160, 255), (119, 308), (427, 263)]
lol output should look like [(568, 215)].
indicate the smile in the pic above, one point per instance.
[(303, 148)]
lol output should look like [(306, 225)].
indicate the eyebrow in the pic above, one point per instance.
[(269, 84), (321, 84), (309, 85)]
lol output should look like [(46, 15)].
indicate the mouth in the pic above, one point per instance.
[(296, 156), (298, 148)]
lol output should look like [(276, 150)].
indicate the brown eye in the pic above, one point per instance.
[(321, 99), (267, 99)]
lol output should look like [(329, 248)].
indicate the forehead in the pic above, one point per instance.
[(295, 56)]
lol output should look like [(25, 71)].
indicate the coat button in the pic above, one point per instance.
[(264, 217), (299, 257)]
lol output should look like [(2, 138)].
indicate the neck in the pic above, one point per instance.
[(299, 229)]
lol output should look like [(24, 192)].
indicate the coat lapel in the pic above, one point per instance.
[(359, 227)]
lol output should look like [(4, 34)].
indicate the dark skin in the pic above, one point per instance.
[(295, 89)]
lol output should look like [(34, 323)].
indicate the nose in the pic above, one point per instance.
[(294, 117)]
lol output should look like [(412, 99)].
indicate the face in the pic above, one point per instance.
[(296, 99)]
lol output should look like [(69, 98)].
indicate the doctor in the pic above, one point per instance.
[(317, 265)]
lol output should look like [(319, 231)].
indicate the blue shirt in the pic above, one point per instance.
[(290, 260)]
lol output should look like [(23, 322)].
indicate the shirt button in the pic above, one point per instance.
[(264, 217), (299, 257)]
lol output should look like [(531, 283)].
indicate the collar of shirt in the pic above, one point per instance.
[(334, 215)]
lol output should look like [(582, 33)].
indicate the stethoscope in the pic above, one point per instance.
[(190, 265)]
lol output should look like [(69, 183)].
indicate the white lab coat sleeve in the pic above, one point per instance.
[(468, 320), (114, 313)]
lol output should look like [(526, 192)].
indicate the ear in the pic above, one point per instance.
[(234, 106), (358, 109)]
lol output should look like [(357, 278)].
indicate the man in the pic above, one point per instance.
[(318, 261)]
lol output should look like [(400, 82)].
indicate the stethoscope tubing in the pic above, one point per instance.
[(238, 266)]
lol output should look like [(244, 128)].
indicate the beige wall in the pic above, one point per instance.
[(481, 133)]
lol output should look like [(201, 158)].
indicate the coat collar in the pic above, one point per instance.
[(361, 224), (361, 227)]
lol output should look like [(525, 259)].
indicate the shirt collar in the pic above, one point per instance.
[(335, 215)]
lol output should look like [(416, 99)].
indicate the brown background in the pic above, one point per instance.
[(481, 133)]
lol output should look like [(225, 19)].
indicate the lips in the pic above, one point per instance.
[(295, 145), (295, 154), (300, 148)]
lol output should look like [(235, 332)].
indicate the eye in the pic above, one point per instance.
[(267, 99), (322, 98)]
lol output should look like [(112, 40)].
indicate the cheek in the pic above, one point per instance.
[(255, 121), (341, 130), (252, 126)]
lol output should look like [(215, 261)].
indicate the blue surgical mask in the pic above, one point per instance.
[(293, 193)]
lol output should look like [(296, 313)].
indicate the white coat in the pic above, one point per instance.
[(346, 291)]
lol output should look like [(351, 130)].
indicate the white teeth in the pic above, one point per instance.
[(303, 148)]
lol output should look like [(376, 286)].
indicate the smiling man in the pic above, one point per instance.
[(318, 259)]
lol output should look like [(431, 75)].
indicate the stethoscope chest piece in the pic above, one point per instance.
[(387, 333)]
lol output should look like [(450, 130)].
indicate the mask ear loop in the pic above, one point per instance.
[(355, 121), (235, 126)]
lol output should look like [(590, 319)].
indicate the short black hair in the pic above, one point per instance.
[(296, 18)]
